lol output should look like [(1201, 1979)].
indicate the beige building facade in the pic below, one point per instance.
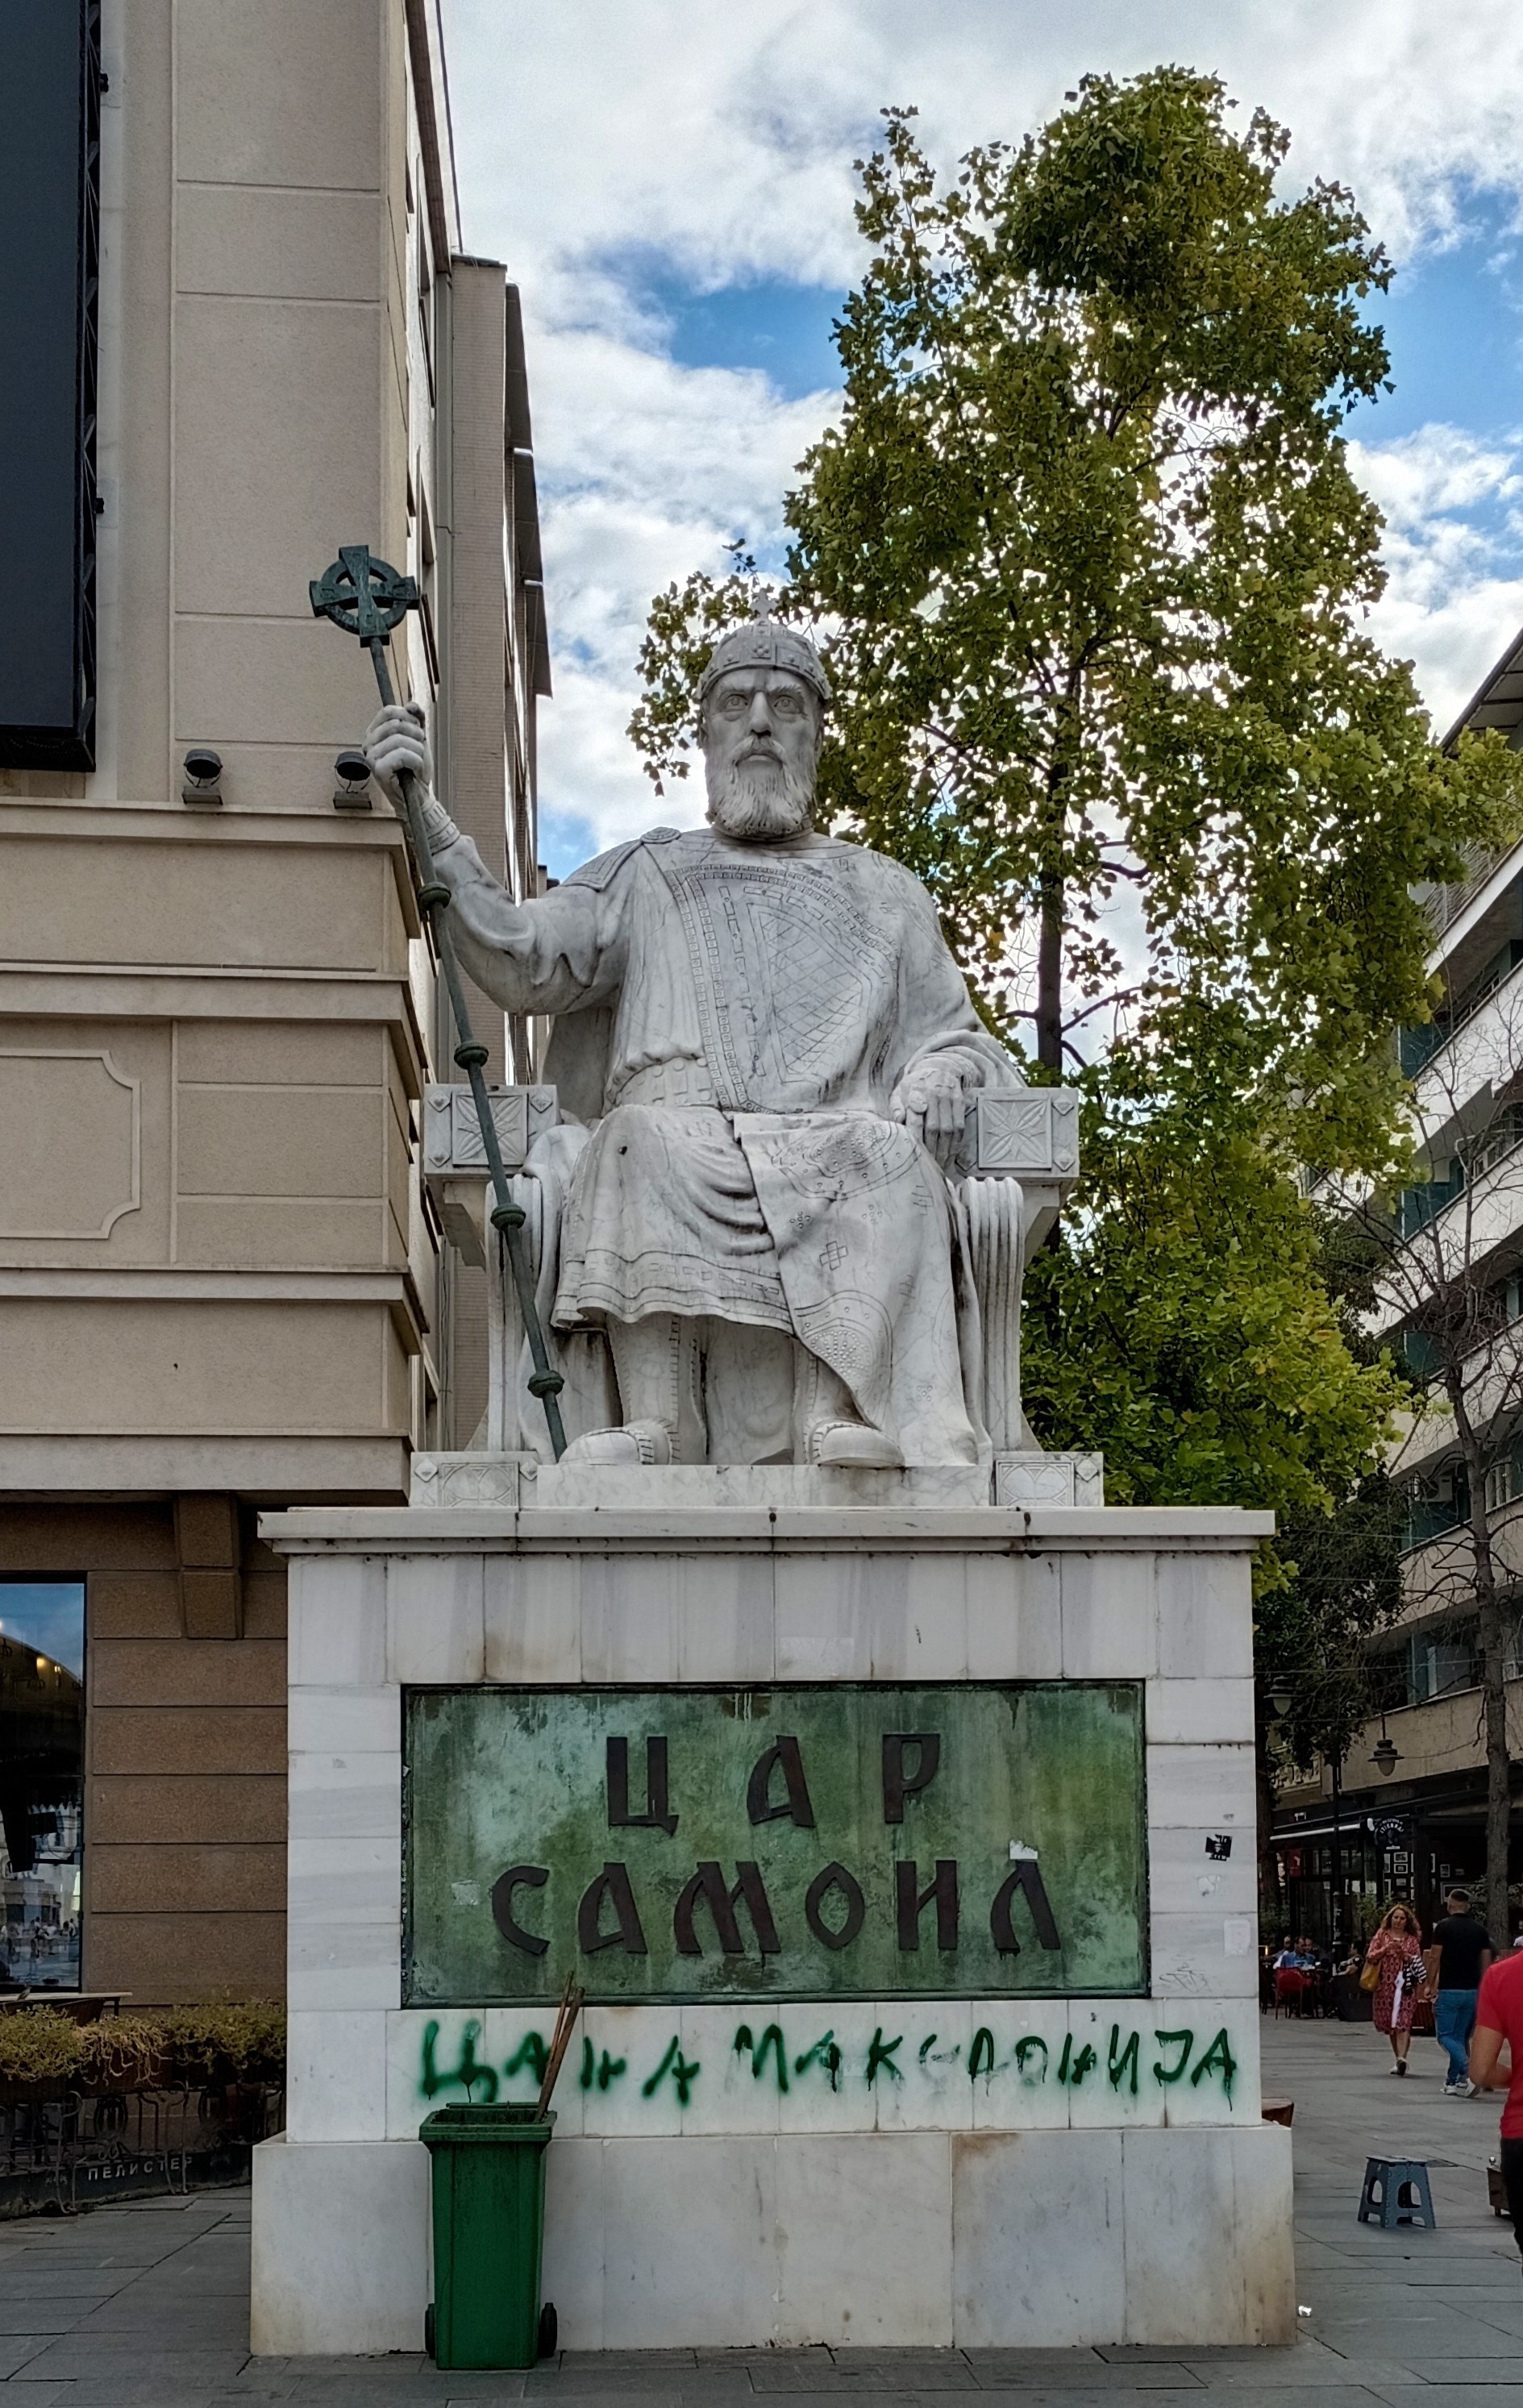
[(222, 1287)]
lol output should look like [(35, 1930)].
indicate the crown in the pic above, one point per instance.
[(764, 642)]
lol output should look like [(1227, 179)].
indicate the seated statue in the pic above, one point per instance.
[(767, 1054)]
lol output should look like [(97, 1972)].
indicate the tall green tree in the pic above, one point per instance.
[(1092, 577)]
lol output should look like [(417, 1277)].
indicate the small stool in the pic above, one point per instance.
[(1395, 2191)]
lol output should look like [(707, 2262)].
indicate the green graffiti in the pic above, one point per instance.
[(880, 2058), (1218, 2058), (1184, 2041), (771, 2041), (468, 2073), (825, 2053), (531, 2052), (603, 2070), (1030, 2061), (927, 2054), (681, 2072), (1118, 2067)]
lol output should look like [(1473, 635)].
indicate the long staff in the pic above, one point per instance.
[(566, 2015), (367, 599)]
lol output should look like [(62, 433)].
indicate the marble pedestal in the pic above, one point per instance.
[(1148, 2206)]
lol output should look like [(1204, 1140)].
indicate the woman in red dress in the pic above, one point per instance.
[(1397, 1948)]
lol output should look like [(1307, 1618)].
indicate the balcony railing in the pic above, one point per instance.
[(1418, 1044), (1443, 904)]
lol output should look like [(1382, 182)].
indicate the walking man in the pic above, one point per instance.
[(1496, 2063), (1456, 1962)]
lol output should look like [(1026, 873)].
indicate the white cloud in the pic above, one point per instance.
[(1451, 605), (719, 140), (659, 468)]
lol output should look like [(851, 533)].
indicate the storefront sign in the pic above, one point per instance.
[(841, 1842)]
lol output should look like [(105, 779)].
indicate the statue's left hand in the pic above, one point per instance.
[(932, 1103)]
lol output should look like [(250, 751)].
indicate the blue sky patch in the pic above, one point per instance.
[(779, 328), (1453, 327)]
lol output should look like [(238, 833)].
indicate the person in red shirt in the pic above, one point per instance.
[(1496, 2063)]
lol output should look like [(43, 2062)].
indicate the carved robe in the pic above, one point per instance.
[(734, 1020)]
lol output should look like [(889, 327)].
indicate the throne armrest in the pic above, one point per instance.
[(1029, 1134), (455, 1158)]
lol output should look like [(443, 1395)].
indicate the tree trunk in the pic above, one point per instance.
[(1050, 976), (1493, 1630)]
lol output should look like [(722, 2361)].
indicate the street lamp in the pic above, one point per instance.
[(1280, 1701), (1386, 1755)]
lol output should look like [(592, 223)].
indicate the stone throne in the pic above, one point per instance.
[(1019, 1161)]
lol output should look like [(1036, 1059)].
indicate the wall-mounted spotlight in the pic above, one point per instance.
[(352, 789), (202, 787)]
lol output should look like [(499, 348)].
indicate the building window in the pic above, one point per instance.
[(42, 1782)]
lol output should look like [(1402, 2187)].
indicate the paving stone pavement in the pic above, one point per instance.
[(146, 2306)]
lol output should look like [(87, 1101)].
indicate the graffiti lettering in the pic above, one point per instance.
[(1218, 2058), (771, 2039), (682, 2073), (468, 2073), (607, 2068), (825, 2053), (531, 2052), (1184, 2042), (880, 2058), (874, 2062), (1118, 2067)]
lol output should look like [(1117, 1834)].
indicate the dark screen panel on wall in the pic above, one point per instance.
[(50, 174)]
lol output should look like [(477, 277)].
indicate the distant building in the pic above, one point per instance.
[(242, 331), (1422, 1825)]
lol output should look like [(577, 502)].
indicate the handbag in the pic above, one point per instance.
[(1369, 1976)]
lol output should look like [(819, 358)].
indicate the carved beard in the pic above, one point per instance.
[(759, 799)]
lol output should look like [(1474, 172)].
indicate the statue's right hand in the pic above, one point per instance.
[(397, 739)]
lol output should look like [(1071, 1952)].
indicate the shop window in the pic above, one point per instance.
[(42, 1782)]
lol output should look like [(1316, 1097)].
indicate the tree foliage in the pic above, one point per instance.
[(1095, 571), (1092, 577)]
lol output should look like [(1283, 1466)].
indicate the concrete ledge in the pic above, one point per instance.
[(915, 1529), (341, 2248), (112, 1462), (923, 2240)]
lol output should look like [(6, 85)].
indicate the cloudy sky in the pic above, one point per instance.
[(670, 184)]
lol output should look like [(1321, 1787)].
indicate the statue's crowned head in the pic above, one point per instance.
[(761, 716)]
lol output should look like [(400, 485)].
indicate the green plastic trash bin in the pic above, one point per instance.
[(488, 2166)]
